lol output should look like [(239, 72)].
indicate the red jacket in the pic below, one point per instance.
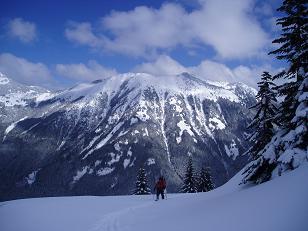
[(160, 184)]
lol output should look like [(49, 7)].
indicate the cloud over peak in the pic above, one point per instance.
[(206, 70), (84, 72), (25, 71), (31, 73), (163, 65)]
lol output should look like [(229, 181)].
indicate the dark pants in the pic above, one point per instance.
[(160, 192)]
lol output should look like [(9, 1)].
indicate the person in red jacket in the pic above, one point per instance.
[(160, 187)]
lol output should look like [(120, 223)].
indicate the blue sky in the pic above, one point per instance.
[(56, 44)]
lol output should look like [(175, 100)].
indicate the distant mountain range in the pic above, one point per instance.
[(92, 138)]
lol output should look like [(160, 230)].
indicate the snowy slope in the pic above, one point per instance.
[(17, 101), (278, 205), (16, 94)]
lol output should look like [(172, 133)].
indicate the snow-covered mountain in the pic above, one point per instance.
[(16, 100), (92, 138)]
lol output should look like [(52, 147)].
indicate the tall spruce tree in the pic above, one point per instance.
[(142, 183), (205, 182), (263, 131), (262, 123), (189, 185), (288, 147), (291, 142), (294, 50)]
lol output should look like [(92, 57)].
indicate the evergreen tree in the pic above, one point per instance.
[(142, 183), (263, 127), (288, 147), (262, 123), (294, 50), (189, 185), (205, 182)]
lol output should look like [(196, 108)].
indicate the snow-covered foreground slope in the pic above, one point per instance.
[(280, 204)]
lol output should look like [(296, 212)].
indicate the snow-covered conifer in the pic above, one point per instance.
[(262, 123), (142, 183), (263, 130), (205, 182), (189, 185)]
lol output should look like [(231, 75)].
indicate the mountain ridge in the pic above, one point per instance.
[(91, 138)]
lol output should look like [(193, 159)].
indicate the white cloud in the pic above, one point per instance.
[(84, 72), (206, 70), (252, 75), (24, 71), (144, 30), (164, 65), (82, 33), (227, 26), (38, 74), (211, 70), (23, 30), (27, 72), (215, 71)]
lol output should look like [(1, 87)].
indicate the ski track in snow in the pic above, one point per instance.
[(127, 219), (111, 221)]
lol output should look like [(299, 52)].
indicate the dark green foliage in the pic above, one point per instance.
[(205, 182), (263, 130), (293, 114), (294, 50), (262, 123), (189, 185), (142, 183), (288, 147)]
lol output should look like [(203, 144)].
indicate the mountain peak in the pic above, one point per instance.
[(131, 84), (3, 79)]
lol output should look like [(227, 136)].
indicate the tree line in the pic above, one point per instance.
[(192, 182)]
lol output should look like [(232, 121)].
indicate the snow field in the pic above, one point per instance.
[(280, 204)]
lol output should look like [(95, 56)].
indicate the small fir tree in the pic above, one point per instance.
[(142, 183), (205, 182), (189, 185)]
